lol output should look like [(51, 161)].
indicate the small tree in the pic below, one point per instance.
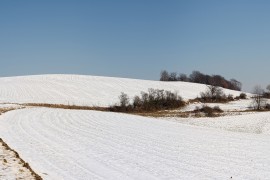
[(258, 100), (183, 77), (164, 76), (124, 100), (212, 94), (173, 76)]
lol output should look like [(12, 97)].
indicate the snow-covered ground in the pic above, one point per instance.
[(258, 123), (238, 105), (71, 144), (11, 167), (85, 90)]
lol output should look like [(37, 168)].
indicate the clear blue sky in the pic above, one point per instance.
[(136, 38)]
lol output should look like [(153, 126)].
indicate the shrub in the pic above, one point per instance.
[(217, 109), (124, 100), (243, 96), (214, 94), (208, 111), (153, 100), (230, 97), (266, 95)]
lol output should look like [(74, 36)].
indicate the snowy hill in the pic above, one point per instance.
[(85, 90), (75, 144)]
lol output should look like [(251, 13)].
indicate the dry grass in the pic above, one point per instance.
[(4, 110), (166, 113), (63, 106), (25, 164)]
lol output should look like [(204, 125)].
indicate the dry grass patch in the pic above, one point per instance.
[(63, 106), (21, 161), (4, 110)]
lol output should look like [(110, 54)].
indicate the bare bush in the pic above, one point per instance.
[(124, 100), (267, 106), (258, 100), (153, 100), (243, 96), (208, 111), (213, 94)]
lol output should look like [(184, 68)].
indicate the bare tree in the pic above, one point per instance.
[(213, 93), (183, 77), (173, 76), (124, 100), (258, 100), (236, 85), (197, 77), (164, 75)]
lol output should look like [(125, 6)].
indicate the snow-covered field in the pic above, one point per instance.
[(85, 90), (74, 144), (240, 105), (258, 123), (67, 144)]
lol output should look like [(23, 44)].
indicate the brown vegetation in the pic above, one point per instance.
[(153, 100), (63, 106), (4, 110), (208, 111), (25, 164)]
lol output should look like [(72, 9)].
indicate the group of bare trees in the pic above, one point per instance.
[(153, 100), (198, 77)]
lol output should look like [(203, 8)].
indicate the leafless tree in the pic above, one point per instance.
[(124, 100), (258, 100), (236, 85), (183, 77), (173, 76), (164, 76), (197, 77), (213, 93)]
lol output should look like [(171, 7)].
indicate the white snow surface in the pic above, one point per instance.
[(10, 166), (72, 144), (239, 105), (86, 90), (257, 123)]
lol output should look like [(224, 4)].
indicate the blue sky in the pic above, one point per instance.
[(136, 38)]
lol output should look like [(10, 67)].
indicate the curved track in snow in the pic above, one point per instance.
[(67, 144)]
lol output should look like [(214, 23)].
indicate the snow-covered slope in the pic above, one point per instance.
[(66, 144), (258, 123), (85, 90)]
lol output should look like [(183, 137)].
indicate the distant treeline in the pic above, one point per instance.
[(198, 77)]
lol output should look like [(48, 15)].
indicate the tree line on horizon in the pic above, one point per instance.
[(198, 77)]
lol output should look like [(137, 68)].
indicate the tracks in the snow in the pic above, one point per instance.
[(20, 165), (102, 145)]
